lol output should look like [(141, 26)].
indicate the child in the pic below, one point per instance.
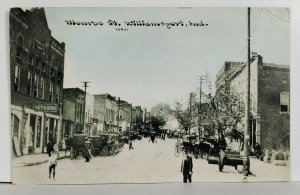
[(52, 164)]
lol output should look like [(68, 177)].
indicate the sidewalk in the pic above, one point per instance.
[(263, 171), (35, 159)]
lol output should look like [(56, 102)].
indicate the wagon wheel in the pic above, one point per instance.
[(115, 150), (104, 151), (72, 153), (177, 150), (110, 151), (196, 152), (93, 151)]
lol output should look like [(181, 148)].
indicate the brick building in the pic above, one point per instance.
[(269, 99), (37, 71)]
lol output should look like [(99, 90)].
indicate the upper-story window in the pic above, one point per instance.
[(29, 83), (284, 101), (37, 63), (19, 53), (30, 60), (38, 45), (51, 92), (44, 67), (57, 95), (42, 87), (59, 78), (120, 114), (35, 86), (17, 78), (52, 75)]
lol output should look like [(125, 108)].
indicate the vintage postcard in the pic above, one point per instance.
[(149, 95)]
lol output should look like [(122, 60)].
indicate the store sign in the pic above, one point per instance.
[(46, 107)]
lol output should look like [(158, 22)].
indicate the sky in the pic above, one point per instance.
[(150, 65)]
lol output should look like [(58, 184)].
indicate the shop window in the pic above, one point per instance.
[(17, 78), (31, 137), (38, 131), (284, 101)]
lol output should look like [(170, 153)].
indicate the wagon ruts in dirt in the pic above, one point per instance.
[(106, 144)]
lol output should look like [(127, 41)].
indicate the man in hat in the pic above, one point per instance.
[(187, 167)]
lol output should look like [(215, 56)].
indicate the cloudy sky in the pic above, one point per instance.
[(150, 65)]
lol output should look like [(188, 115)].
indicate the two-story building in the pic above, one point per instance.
[(105, 111), (73, 111), (125, 116)]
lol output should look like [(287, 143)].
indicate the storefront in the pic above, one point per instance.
[(31, 130)]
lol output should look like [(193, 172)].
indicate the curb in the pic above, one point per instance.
[(43, 161)]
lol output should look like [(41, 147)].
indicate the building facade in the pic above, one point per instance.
[(125, 116), (269, 99), (73, 111), (105, 112), (37, 71)]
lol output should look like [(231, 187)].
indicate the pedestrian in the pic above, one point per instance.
[(130, 145), (49, 147), (187, 168), (257, 150), (86, 152), (52, 164)]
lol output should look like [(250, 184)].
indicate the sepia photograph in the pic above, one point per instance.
[(125, 95)]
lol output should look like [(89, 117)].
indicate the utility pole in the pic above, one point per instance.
[(202, 78), (190, 113), (118, 114), (85, 85), (130, 115), (246, 160)]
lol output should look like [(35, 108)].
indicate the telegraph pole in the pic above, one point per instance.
[(118, 114), (246, 160), (130, 115), (85, 85), (190, 113), (202, 78)]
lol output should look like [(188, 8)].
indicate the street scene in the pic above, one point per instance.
[(153, 162), (149, 95)]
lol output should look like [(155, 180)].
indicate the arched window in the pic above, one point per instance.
[(20, 41), (284, 101)]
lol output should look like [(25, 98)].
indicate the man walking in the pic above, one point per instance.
[(130, 145), (187, 168)]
